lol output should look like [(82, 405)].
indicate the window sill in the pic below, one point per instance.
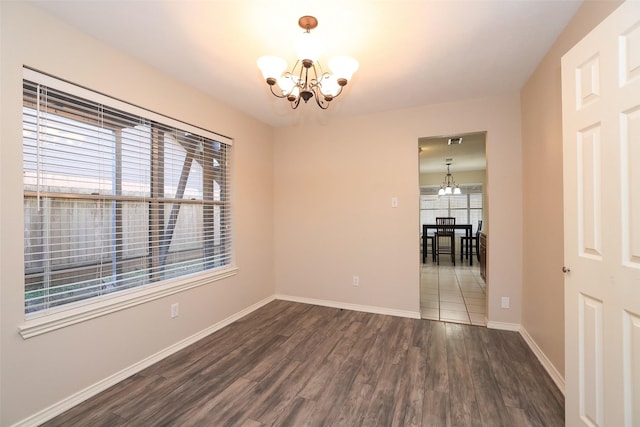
[(41, 324)]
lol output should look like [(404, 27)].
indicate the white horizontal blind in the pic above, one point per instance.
[(465, 208), (115, 199)]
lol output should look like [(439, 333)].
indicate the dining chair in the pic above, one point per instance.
[(427, 244), (444, 239), (472, 243), (427, 241)]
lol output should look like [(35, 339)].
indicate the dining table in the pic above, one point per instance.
[(425, 232)]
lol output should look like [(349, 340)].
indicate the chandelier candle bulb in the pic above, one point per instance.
[(343, 67), (272, 68), (307, 79)]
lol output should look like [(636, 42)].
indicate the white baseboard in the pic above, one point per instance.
[(75, 399), (544, 360), (503, 326), (348, 306), (79, 397)]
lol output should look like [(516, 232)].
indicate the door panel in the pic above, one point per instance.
[(601, 161), (630, 129), (589, 192), (590, 359), (631, 372), (588, 81), (630, 57)]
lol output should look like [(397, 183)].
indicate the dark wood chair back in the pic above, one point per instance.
[(444, 225)]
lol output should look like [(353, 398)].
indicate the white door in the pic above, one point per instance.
[(601, 132)]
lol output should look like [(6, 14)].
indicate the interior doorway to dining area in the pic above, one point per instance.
[(452, 213)]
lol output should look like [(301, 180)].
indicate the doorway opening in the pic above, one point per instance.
[(453, 171)]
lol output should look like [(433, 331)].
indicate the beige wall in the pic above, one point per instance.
[(43, 370), (333, 216), (311, 210), (541, 101)]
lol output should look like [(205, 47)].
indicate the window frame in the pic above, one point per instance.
[(39, 322), (467, 191)]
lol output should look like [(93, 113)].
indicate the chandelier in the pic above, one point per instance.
[(307, 79), (449, 186)]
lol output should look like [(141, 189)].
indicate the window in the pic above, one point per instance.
[(116, 197), (465, 208)]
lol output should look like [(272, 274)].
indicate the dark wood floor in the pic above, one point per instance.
[(290, 364)]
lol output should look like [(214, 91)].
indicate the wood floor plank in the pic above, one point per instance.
[(436, 374), (547, 405), (356, 405), (334, 394), (298, 413), (462, 400), (292, 364), (523, 419), (199, 385), (263, 394), (500, 361), (375, 358), (330, 366), (382, 404), (309, 372), (435, 411), (146, 395), (487, 393), (219, 407), (408, 411), (99, 410), (331, 381), (400, 337)]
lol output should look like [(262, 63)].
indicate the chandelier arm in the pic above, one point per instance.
[(322, 103), (313, 83), (321, 100), (302, 83), (275, 94), (339, 92), (318, 80)]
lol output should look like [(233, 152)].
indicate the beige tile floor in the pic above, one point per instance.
[(453, 294)]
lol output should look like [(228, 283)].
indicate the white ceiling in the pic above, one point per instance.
[(411, 53), (435, 153)]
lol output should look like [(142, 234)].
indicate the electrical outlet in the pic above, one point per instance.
[(394, 202), (505, 302), (175, 310), (356, 280)]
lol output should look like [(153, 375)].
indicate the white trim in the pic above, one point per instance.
[(354, 307), (544, 360), (68, 316), (73, 89), (76, 398), (515, 327)]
